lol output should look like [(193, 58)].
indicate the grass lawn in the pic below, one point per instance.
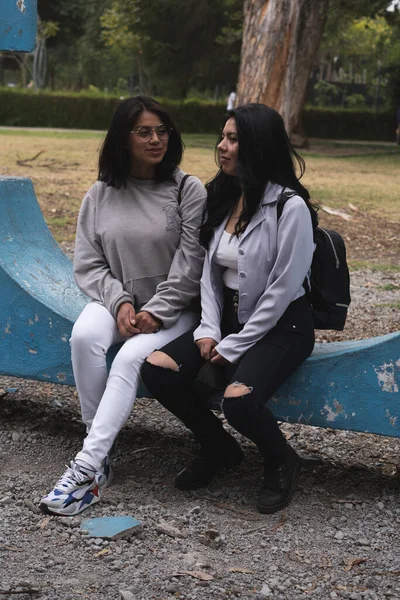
[(365, 175)]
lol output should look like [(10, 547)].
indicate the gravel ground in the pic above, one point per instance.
[(339, 538)]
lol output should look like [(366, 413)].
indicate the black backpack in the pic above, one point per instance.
[(329, 288)]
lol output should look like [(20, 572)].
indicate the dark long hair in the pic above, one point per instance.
[(265, 155), (114, 159)]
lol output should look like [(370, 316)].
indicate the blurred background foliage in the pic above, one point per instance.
[(190, 50)]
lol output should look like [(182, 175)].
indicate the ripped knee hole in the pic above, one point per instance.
[(162, 360), (237, 389)]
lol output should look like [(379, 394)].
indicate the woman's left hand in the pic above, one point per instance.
[(217, 359), (146, 323)]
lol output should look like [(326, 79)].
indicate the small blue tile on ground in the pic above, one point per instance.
[(111, 527)]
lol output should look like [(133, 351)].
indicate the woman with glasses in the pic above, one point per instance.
[(138, 259), (256, 325)]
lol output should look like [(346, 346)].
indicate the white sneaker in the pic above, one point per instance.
[(75, 491)]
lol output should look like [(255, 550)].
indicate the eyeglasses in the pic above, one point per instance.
[(145, 133)]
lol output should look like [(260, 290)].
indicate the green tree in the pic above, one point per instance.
[(363, 37), (360, 40), (154, 46), (342, 15), (78, 56), (121, 35), (179, 44)]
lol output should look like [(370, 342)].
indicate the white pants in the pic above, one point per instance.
[(107, 399)]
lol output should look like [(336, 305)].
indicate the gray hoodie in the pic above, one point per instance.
[(137, 245)]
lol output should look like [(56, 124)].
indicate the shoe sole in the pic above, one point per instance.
[(199, 484), (269, 510), (62, 512), (47, 511)]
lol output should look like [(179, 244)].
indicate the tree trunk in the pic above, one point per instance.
[(280, 41), (39, 68)]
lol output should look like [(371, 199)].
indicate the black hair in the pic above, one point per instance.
[(114, 159), (265, 155)]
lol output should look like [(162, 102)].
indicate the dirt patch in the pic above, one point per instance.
[(375, 240), (338, 539)]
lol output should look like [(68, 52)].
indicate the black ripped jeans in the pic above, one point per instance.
[(187, 393)]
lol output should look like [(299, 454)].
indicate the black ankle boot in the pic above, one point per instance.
[(279, 483), (210, 460)]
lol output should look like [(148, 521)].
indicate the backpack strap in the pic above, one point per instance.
[(182, 184), (283, 198)]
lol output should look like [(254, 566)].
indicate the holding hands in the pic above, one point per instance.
[(207, 351), (129, 323), (126, 320), (146, 323), (206, 347), (217, 359)]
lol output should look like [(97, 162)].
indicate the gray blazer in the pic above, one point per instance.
[(272, 263)]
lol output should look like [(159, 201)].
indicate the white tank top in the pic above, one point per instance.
[(226, 255)]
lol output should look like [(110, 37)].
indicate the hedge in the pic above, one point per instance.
[(349, 124), (71, 111), (26, 108), (78, 111)]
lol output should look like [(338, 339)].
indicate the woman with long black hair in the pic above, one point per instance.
[(256, 325), (138, 258)]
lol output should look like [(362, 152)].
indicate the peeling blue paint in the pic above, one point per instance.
[(18, 25), (21, 6), (346, 385), (386, 374), (36, 313)]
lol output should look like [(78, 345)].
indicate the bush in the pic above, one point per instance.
[(355, 101), (27, 108), (349, 124), (194, 116), (325, 93), (44, 109)]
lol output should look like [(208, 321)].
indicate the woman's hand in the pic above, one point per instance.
[(206, 346), (146, 323), (217, 359), (126, 320)]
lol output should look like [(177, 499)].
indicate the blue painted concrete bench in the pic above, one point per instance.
[(18, 25), (343, 385)]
